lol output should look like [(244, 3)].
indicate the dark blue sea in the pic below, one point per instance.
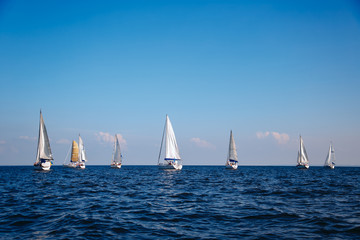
[(202, 202)]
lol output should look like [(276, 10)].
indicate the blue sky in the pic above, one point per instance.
[(268, 70)]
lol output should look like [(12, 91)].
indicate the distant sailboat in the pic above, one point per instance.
[(78, 155), (117, 157), (232, 160), (302, 160), (330, 158), (172, 158), (44, 156)]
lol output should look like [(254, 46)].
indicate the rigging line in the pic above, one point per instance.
[(162, 139), (67, 154), (113, 152)]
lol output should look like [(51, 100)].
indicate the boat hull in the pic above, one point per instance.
[(71, 165), (329, 167), (302, 166), (45, 166), (234, 166), (115, 165), (170, 166)]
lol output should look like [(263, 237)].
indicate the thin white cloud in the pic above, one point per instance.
[(63, 141), (104, 137), (202, 143), (261, 135), (27, 138), (281, 138)]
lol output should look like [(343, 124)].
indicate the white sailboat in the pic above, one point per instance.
[(172, 158), (302, 159), (44, 156), (117, 157), (330, 158), (232, 160), (78, 155)]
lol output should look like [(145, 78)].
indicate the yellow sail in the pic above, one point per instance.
[(75, 152)]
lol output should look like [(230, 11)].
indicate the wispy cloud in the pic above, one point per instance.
[(63, 141), (281, 138), (261, 135), (27, 138), (202, 143), (104, 137)]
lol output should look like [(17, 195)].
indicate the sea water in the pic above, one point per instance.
[(203, 202)]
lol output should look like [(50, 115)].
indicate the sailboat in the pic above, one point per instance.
[(302, 159), (44, 156), (78, 155), (232, 160), (172, 158), (330, 158), (117, 157)]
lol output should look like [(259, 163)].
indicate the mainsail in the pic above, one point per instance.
[(302, 155), (171, 147), (82, 155), (75, 152), (117, 152), (43, 150), (232, 155)]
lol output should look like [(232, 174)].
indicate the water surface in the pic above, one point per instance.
[(205, 202)]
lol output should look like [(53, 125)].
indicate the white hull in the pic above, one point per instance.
[(235, 166), (45, 166), (69, 166), (115, 165), (170, 166), (303, 166), (74, 165)]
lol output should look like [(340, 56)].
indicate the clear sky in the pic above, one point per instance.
[(268, 70)]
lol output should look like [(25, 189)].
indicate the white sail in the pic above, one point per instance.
[(171, 147), (232, 155), (232, 159), (172, 158), (117, 151), (82, 154), (43, 149), (330, 158), (302, 159)]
